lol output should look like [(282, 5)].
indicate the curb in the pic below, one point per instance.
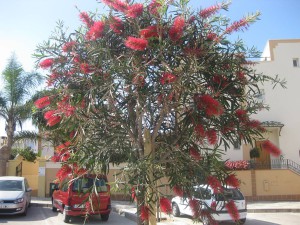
[(39, 204), (273, 210)]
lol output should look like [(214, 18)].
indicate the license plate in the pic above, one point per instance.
[(81, 206)]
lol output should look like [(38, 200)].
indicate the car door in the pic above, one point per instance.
[(184, 207), (27, 191), (60, 197)]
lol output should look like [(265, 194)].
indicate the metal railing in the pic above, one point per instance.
[(276, 164)]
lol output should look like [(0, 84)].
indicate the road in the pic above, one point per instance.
[(44, 216)]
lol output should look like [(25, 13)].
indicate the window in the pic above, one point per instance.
[(296, 62), (85, 184)]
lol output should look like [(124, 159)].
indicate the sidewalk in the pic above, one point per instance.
[(128, 209)]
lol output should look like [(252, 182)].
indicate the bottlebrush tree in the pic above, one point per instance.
[(156, 85)]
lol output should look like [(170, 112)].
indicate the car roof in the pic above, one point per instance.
[(209, 187), (11, 178)]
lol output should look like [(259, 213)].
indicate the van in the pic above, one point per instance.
[(204, 193), (86, 195)]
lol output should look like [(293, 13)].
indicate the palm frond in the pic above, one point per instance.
[(26, 135)]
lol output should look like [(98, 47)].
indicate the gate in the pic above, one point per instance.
[(19, 170)]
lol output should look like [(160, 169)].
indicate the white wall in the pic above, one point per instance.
[(284, 103)]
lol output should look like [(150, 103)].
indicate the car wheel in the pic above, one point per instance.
[(104, 217), (242, 221), (175, 210), (54, 209), (66, 218), (25, 211)]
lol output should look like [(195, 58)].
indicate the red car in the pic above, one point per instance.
[(88, 195)]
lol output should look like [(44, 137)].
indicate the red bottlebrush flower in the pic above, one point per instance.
[(212, 36), (46, 63), (144, 213), (199, 130), (165, 205), (96, 31), (42, 102), (271, 148), (72, 134), (85, 68), (68, 46), (55, 158), (133, 194), (212, 136), (138, 44), (179, 22), (63, 172), (237, 25), (231, 180), (134, 10), (85, 18), (153, 7), (63, 146), (139, 80), (176, 31), (253, 124), (167, 78), (242, 115), (232, 210), (178, 191), (53, 121), (116, 25), (211, 106), (215, 184), (65, 156), (195, 207), (241, 77), (149, 32), (195, 154), (52, 117), (76, 59), (117, 5), (204, 13), (213, 205), (220, 80), (49, 114), (191, 19), (192, 51)]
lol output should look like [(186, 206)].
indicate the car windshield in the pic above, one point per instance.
[(85, 184), (11, 185), (229, 194)]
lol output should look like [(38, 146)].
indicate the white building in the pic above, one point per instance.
[(282, 58)]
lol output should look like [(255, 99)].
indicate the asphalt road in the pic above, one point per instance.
[(44, 216)]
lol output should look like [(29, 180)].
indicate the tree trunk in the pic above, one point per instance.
[(5, 151), (151, 187), (4, 156)]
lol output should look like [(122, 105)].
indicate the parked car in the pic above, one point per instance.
[(204, 193), (87, 195), (15, 195)]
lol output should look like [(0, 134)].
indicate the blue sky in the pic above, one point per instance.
[(26, 23)]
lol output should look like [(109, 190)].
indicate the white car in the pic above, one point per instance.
[(204, 193), (15, 195)]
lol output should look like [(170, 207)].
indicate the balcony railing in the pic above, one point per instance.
[(276, 164)]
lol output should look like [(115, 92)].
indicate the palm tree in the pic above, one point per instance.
[(14, 109)]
